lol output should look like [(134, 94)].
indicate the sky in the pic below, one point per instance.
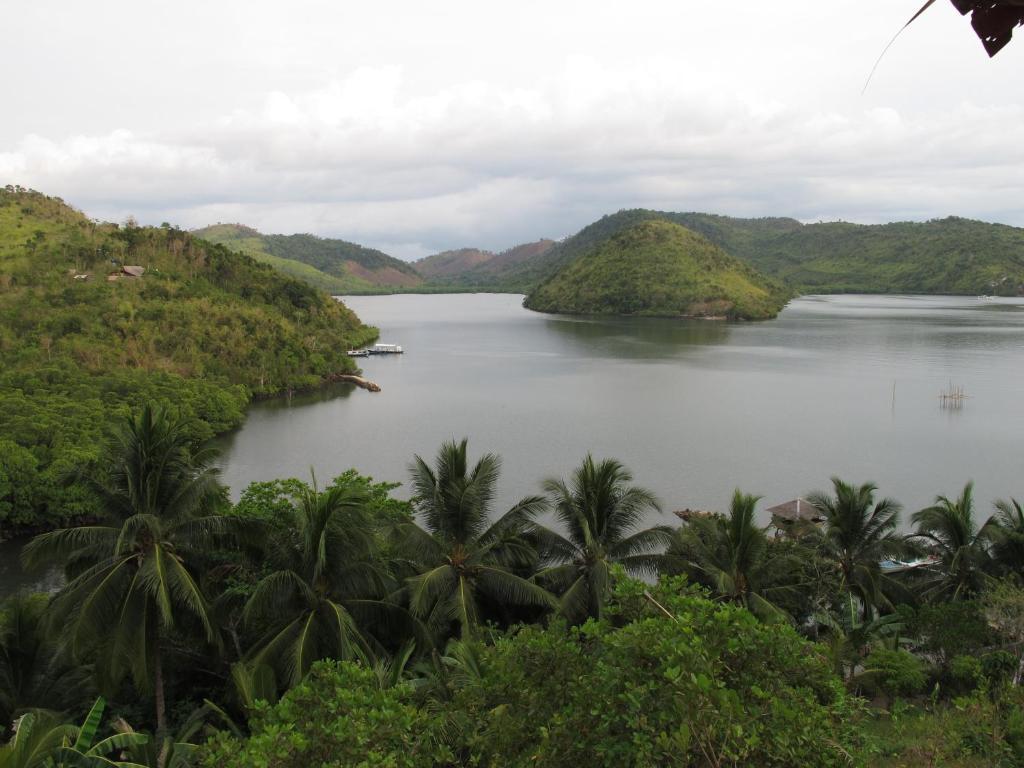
[(418, 127)]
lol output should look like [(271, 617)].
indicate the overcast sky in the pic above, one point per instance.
[(416, 127)]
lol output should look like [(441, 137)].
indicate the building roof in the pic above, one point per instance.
[(134, 271), (796, 510)]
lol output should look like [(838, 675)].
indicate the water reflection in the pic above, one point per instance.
[(638, 338), (321, 395), (13, 579)]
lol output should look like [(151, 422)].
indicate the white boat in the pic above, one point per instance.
[(899, 566), (376, 349), (385, 349)]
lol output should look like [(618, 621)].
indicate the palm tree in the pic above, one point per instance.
[(33, 675), (1005, 529), (730, 555), (600, 512), (949, 527), (325, 566), (859, 534), (849, 637), (463, 558), (133, 581)]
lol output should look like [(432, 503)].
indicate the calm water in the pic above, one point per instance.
[(694, 408)]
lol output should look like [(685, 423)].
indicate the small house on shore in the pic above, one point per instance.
[(131, 272)]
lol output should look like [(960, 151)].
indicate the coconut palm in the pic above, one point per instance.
[(324, 567), (1005, 530), (32, 674), (850, 637), (133, 581), (463, 558), (600, 512), (858, 535), (948, 526), (730, 555)]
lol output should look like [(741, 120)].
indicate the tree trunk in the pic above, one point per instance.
[(161, 707)]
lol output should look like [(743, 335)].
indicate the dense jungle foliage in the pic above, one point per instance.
[(338, 626), (203, 328), (332, 265), (662, 269), (945, 256)]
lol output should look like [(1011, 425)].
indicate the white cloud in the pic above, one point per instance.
[(440, 146)]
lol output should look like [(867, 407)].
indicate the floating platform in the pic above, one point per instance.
[(376, 349)]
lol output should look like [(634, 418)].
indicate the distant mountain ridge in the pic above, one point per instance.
[(472, 267), (454, 262), (942, 256), (334, 265)]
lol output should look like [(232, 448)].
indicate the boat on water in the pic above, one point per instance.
[(376, 349), (899, 566)]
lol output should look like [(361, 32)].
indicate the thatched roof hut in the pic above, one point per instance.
[(796, 511), (796, 517)]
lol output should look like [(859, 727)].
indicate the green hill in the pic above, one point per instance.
[(202, 330), (658, 268), (945, 256), (952, 256), (336, 266)]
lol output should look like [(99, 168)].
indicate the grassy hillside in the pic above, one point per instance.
[(336, 266), (658, 268), (448, 263), (203, 330)]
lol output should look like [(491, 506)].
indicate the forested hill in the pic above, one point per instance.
[(336, 266), (952, 255), (202, 329), (659, 268)]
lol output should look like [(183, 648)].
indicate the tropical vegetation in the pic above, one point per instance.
[(659, 268), (341, 626), (83, 342)]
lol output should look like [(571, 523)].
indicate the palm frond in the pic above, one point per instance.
[(56, 546)]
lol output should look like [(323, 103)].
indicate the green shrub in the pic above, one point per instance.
[(965, 673), (339, 717), (709, 683), (894, 672), (998, 666)]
